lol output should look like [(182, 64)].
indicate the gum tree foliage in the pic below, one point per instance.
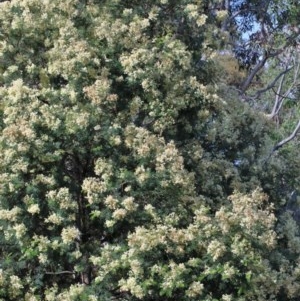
[(126, 174), (264, 38), (262, 64)]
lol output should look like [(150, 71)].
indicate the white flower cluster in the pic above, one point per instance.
[(192, 11), (70, 234), (62, 198), (20, 230), (195, 289), (54, 218), (132, 286), (33, 209), (10, 215), (15, 285)]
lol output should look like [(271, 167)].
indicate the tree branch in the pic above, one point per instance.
[(270, 85), (278, 99), (267, 55), (288, 139), (247, 82)]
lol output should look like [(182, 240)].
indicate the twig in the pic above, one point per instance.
[(59, 273)]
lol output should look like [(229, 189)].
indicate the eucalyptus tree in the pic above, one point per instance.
[(264, 37)]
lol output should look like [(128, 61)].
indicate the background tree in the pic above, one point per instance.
[(263, 37)]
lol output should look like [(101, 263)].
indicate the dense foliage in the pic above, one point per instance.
[(130, 167)]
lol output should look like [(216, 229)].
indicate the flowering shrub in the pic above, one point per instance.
[(118, 161)]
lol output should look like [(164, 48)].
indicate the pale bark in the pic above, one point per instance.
[(288, 139)]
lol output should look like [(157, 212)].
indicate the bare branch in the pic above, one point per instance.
[(272, 84), (253, 72), (267, 55), (295, 81), (288, 139), (278, 99)]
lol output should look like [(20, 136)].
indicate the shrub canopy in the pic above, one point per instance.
[(127, 171)]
